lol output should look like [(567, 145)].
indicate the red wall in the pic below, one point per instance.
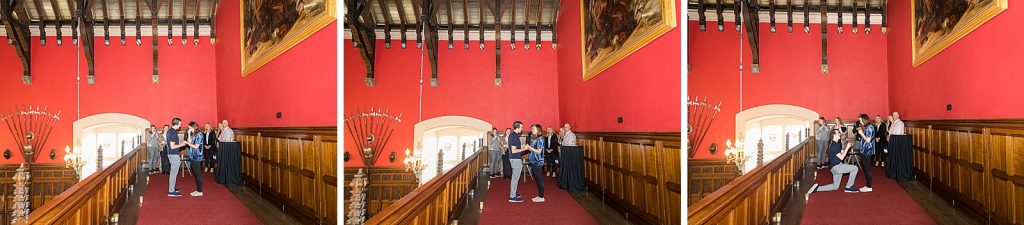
[(643, 88), (790, 74), (529, 92), (122, 85), (301, 83), (977, 74)]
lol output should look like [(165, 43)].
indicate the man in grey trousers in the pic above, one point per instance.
[(822, 137), (153, 145), (173, 144), (494, 147), (516, 160), (838, 168)]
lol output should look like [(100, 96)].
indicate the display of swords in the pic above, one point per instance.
[(701, 116), (371, 131), (31, 128), (752, 10)]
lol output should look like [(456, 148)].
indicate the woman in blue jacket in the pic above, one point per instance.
[(536, 160)]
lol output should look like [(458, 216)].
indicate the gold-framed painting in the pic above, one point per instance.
[(937, 24), (614, 29), (271, 27)]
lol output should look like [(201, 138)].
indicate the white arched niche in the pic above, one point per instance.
[(771, 123), (112, 131), (448, 134)]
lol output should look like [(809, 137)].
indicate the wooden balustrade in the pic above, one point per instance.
[(387, 184), (755, 196), (978, 164), (294, 168), (438, 201), (638, 174), (705, 176), (95, 198)]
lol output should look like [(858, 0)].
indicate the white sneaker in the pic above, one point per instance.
[(865, 189), (196, 193), (538, 199)]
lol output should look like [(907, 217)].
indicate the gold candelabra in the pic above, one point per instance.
[(73, 159), (736, 155), (414, 162)]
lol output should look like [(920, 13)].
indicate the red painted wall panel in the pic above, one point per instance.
[(643, 88), (123, 85), (301, 83), (529, 91), (857, 81), (977, 74)]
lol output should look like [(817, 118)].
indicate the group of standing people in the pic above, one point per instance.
[(199, 146), (542, 151), (871, 138)]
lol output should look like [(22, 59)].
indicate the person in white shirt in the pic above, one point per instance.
[(897, 127), (569, 139), (226, 134)]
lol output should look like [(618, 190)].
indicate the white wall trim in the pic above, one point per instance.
[(105, 119), (769, 111)]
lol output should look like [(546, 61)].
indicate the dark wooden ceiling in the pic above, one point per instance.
[(426, 21), (51, 20)]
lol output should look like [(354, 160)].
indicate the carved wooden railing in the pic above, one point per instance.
[(638, 174), (295, 168), (979, 164), (95, 198), (48, 181), (755, 196), (438, 201)]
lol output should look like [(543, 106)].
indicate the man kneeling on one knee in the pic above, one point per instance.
[(838, 168)]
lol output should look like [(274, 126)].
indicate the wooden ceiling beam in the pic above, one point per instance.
[(526, 26), (88, 39), (513, 42), (123, 20), (498, 10), (701, 18), (362, 34), (213, 21), (465, 25), (73, 9), (771, 15), (840, 22), (854, 16), (154, 9), (554, 23), (384, 9), (789, 15), (737, 13), (751, 22), (170, 26), (106, 24), (417, 10), (451, 25), (19, 34), (430, 25), (55, 8), (195, 23), (867, 17), (481, 23), (42, 21), (807, 16), (540, 17), (884, 12), (719, 8), (184, 22), (401, 18), (824, 36)]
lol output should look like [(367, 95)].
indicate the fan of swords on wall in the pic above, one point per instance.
[(371, 130), (753, 10), (701, 115), (31, 128)]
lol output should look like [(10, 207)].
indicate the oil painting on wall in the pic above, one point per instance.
[(271, 27), (614, 29), (938, 24)]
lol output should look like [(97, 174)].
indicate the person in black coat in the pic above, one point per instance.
[(210, 146), (551, 158), (882, 140)]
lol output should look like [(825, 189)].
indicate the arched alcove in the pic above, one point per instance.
[(448, 134), (113, 131), (771, 124)]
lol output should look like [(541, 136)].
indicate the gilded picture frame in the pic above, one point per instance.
[(938, 24), (271, 27), (636, 23)]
